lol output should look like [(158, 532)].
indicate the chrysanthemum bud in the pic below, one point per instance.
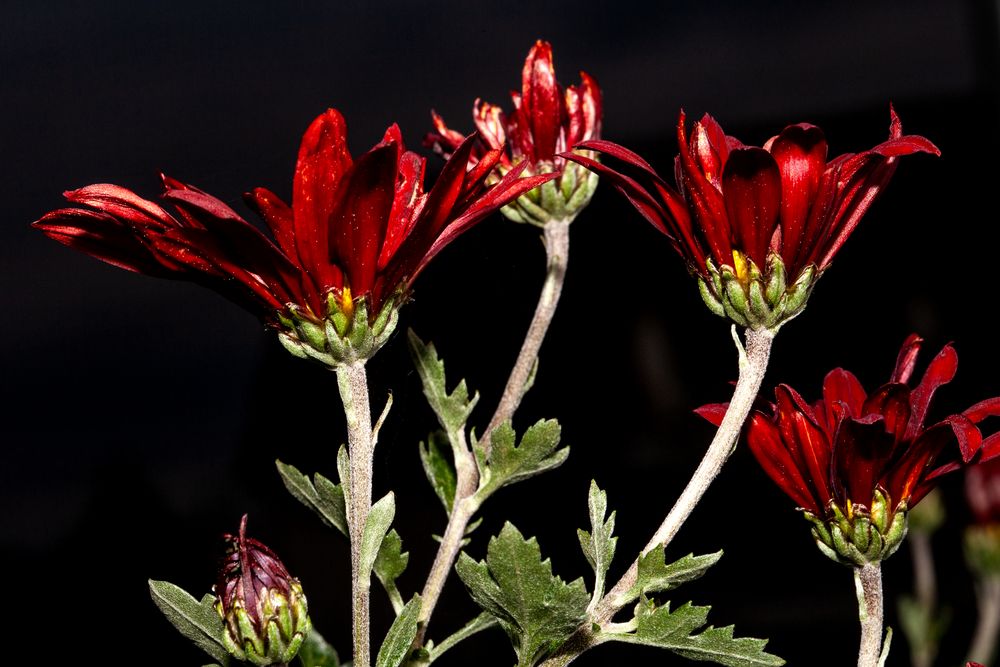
[(262, 607)]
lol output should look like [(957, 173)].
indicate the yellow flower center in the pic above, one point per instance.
[(346, 302), (741, 267)]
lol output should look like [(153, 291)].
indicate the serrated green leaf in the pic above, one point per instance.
[(198, 621), (389, 564), (316, 652), (655, 576), (598, 545), (659, 627), (439, 469), (452, 409), (379, 519), (509, 462), (398, 640), (320, 495), (538, 610)]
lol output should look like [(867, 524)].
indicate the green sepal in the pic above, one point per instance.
[(196, 620), (320, 495), (656, 576), (675, 631), (439, 469), (552, 201), (777, 279), (508, 463), (537, 610), (710, 299), (396, 645), (598, 545)]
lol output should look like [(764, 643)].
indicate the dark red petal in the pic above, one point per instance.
[(861, 453), (982, 489), (892, 403), (751, 186), (808, 445), (122, 203), (490, 122), (711, 149), (800, 152), (713, 413), (358, 225), (841, 386), (444, 140), (408, 198), (541, 103), (619, 152), (278, 217), (764, 440), (909, 470), (705, 201), (990, 447), (323, 161), (583, 109), (983, 409), (907, 359), (106, 238), (940, 372)]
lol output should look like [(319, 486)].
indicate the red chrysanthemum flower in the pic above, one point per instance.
[(855, 462), (347, 250), (546, 121), (757, 226), (262, 606)]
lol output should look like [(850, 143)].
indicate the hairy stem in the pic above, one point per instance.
[(753, 365), (556, 238), (984, 642), (868, 583), (353, 383)]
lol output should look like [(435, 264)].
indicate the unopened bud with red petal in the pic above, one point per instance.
[(262, 607)]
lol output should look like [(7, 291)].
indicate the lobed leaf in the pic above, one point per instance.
[(538, 610), (511, 462), (598, 545), (452, 409), (439, 469), (656, 576)]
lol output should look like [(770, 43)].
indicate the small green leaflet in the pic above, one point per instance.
[(320, 495), (389, 564), (198, 621), (452, 409), (509, 462), (655, 576), (439, 469), (598, 545), (398, 640), (316, 652), (379, 519), (538, 610), (659, 627)]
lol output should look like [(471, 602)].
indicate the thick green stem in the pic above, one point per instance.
[(753, 365), (868, 583), (556, 238), (353, 383)]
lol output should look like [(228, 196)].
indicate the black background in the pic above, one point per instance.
[(141, 417)]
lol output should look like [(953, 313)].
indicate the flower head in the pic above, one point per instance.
[(262, 607), (345, 253), (855, 462), (757, 226), (546, 121)]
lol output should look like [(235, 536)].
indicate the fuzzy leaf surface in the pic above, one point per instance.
[(598, 545), (198, 621), (390, 563), (320, 495), (316, 652), (439, 469), (656, 576), (452, 409), (537, 609), (379, 519), (403, 630), (675, 631), (511, 462)]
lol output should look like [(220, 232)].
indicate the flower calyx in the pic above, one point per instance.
[(559, 199), (262, 607), (754, 298), (346, 333), (860, 535)]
